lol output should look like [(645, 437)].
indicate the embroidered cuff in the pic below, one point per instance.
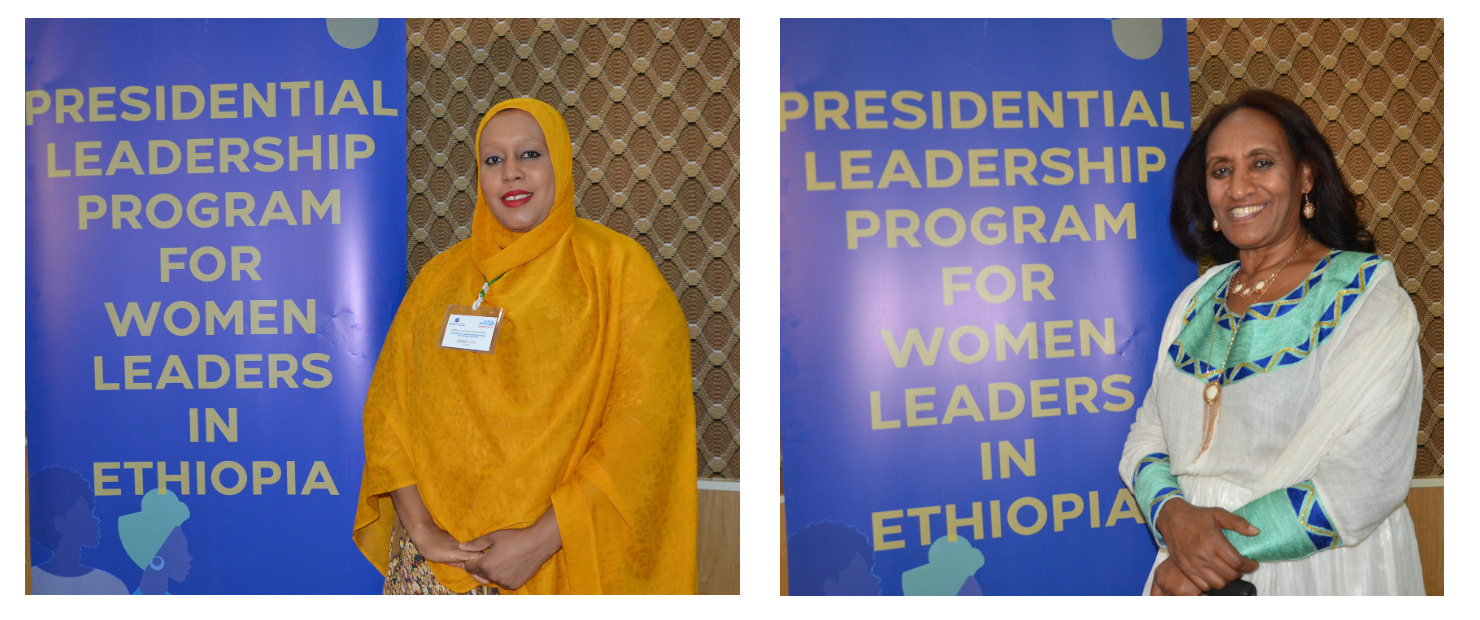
[(1153, 485), (1292, 524)]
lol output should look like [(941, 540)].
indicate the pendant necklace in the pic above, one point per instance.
[(1213, 391)]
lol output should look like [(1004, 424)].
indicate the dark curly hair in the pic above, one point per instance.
[(1335, 223), (54, 491)]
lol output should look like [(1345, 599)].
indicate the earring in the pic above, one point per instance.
[(1310, 209), (1215, 224), (157, 563)]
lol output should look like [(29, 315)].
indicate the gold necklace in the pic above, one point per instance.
[(1244, 291), (1213, 391)]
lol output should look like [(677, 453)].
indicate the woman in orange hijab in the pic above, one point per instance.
[(562, 462)]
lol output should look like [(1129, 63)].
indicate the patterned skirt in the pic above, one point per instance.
[(409, 572)]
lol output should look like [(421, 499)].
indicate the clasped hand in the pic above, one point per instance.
[(509, 558), (1201, 557), (506, 558)]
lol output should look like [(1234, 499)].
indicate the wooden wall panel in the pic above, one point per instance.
[(1427, 507), (784, 581), (719, 542)]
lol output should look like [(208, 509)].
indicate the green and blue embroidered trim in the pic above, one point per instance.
[(1153, 486), (1292, 524), (1274, 334)]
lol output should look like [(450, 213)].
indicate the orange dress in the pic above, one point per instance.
[(585, 405)]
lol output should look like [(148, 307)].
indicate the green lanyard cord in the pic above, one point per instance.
[(479, 301)]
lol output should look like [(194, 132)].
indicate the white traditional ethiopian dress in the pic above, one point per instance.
[(1316, 435)]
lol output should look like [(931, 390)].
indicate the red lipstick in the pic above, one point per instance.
[(516, 198)]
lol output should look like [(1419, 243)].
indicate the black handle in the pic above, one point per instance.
[(1237, 587)]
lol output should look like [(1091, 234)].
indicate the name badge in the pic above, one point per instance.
[(471, 329)]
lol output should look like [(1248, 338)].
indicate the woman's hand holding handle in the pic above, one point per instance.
[(1170, 581), (1195, 542)]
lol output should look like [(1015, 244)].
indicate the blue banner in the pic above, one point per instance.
[(976, 266), (215, 248)]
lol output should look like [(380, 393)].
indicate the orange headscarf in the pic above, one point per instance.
[(585, 404)]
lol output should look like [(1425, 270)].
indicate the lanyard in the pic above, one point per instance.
[(479, 301)]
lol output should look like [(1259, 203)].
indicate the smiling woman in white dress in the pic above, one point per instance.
[(1276, 443)]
